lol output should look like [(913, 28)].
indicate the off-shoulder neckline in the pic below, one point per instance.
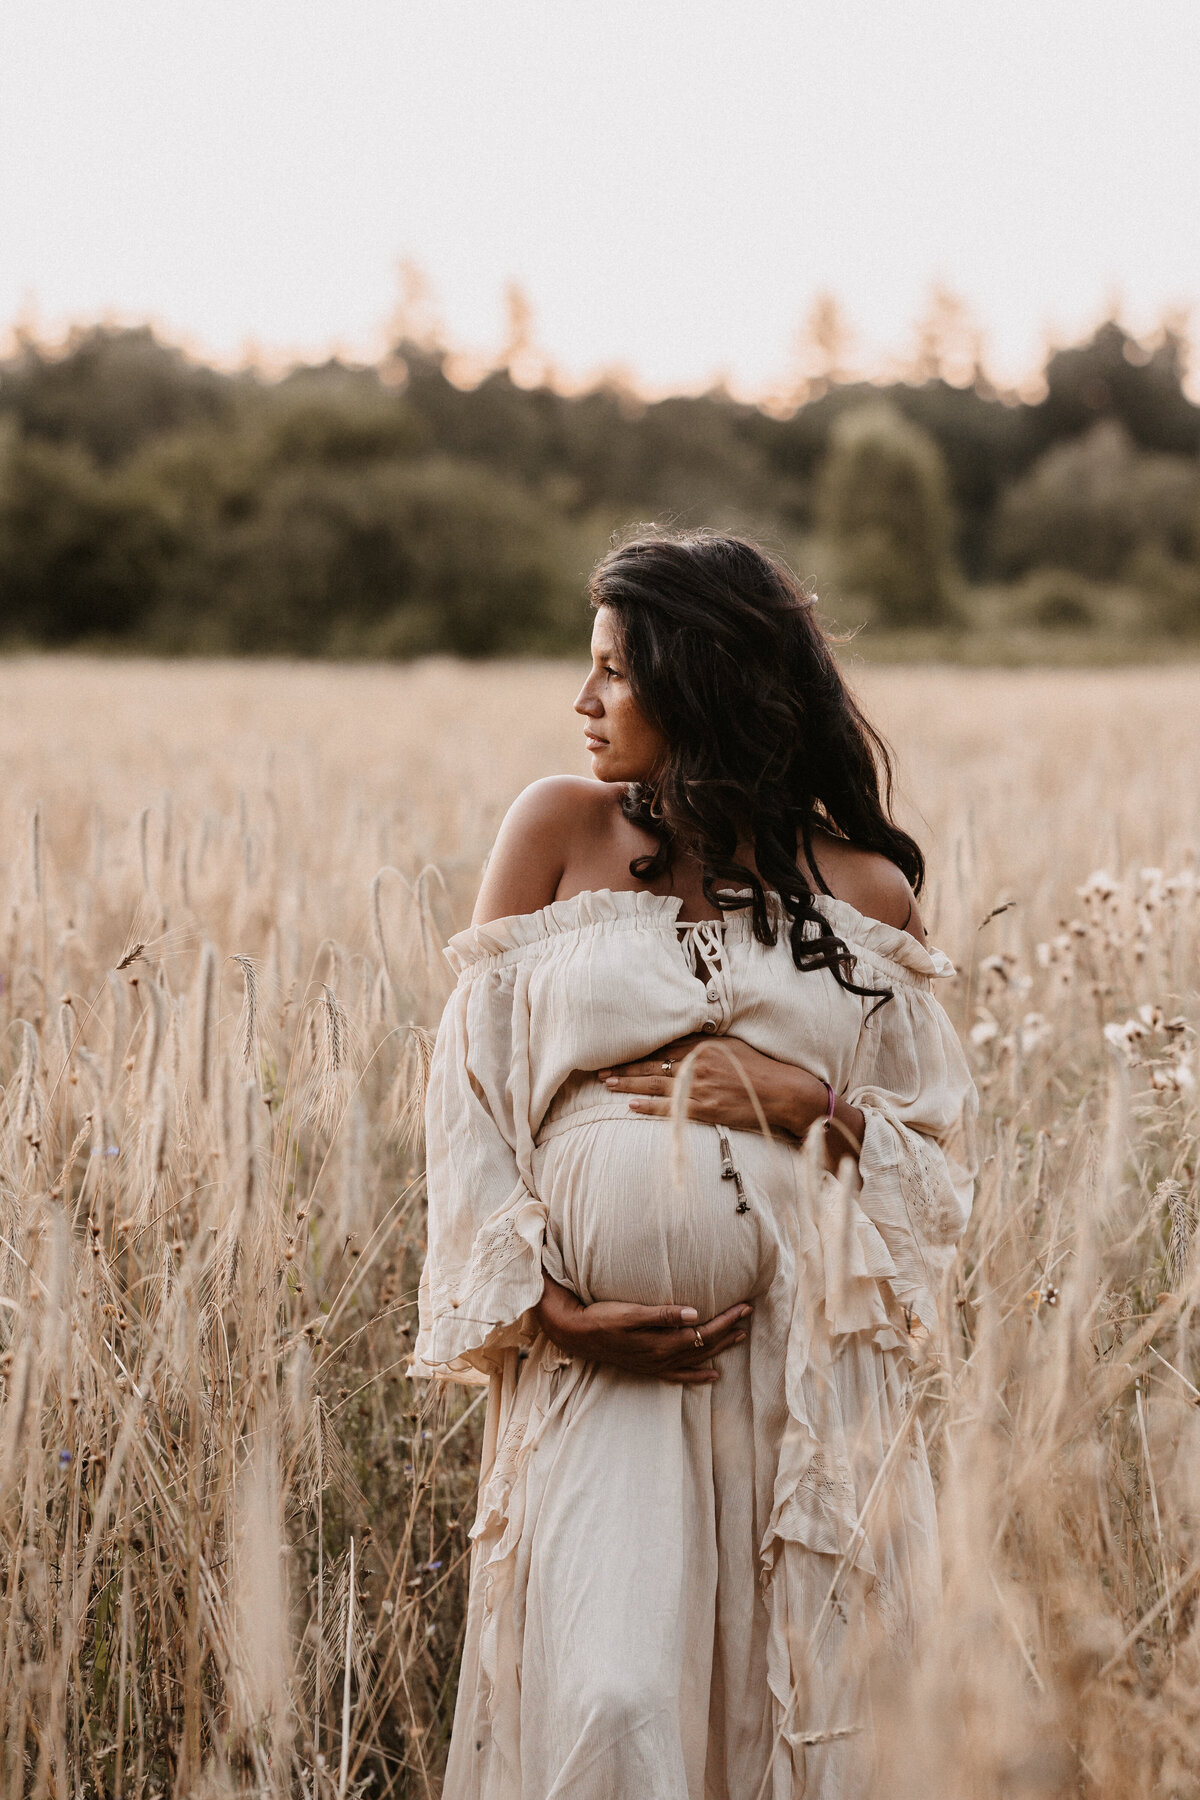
[(889, 944)]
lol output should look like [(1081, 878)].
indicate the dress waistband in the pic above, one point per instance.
[(582, 1100)]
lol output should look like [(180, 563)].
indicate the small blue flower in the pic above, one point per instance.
[(64, 1457)]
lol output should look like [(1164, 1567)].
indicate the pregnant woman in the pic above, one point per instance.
[(699, 1147)]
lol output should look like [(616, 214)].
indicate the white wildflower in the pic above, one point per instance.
[(1098, 886), (1125, 1037), (1173, 1076), (1034, 1032)]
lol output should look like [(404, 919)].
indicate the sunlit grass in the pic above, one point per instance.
[(211, 1221)]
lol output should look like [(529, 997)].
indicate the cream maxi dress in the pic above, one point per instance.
[(675, 1590)]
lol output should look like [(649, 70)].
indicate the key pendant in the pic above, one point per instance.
[(730, 1173)]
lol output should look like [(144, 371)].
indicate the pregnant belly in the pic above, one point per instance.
[(634, 1218)]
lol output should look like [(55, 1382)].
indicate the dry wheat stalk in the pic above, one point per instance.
[(210, 1240)]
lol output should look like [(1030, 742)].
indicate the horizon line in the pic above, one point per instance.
[(531, 368)]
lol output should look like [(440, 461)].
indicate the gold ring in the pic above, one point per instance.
[(700, 1344)]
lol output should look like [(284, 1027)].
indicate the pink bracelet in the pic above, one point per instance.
[(829, 1108)]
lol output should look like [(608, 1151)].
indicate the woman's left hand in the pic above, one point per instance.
[(727, 1078), (734, 1085)]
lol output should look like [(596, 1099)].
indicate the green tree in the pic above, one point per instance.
[(1091, 504), (387, 557), (79, 551), (111, 389), (1114, 376), (147, 499), (884, 513)]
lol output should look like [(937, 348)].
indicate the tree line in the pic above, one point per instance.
[(150, 502)]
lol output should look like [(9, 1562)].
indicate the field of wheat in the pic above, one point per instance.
[(232, 1533)]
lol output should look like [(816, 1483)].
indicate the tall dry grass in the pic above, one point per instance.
[(232, 1537)]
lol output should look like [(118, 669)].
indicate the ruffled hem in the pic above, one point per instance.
[(843, 1286), (485, 1308), (439, 1357), (917, 1215), (845, 1295), (518, 931), (887, 945)]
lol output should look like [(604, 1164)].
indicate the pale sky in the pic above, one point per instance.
[(670, 182)]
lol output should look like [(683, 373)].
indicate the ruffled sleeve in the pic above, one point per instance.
[(483, 1265), (918, 1162)]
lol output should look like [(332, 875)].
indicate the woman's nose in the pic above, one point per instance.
[(587, 703)]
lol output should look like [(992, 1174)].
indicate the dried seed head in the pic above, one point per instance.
[(335, 1029), (206, 1018), (248, 1025)]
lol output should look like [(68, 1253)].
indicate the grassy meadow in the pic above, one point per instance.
[(232, 1534)]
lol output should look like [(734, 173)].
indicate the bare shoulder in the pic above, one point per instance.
[(535, 843), (871, 884)]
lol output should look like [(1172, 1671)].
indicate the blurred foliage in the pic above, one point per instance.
[(884, 511), (110, 391), (149, 502), (1098, 505)]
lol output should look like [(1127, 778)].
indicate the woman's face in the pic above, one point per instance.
[(621, 741)]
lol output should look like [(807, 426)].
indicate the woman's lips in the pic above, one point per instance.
[(593, 742)]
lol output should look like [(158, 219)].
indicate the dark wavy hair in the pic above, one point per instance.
[(725, 656)]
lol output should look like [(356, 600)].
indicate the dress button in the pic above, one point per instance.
[(711, 990), (709, 1025)]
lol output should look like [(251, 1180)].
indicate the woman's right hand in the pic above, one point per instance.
[(658, 1341)]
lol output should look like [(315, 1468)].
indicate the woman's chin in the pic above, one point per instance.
[(607, 767)]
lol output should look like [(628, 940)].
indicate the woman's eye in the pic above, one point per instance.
[(616, 673)]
